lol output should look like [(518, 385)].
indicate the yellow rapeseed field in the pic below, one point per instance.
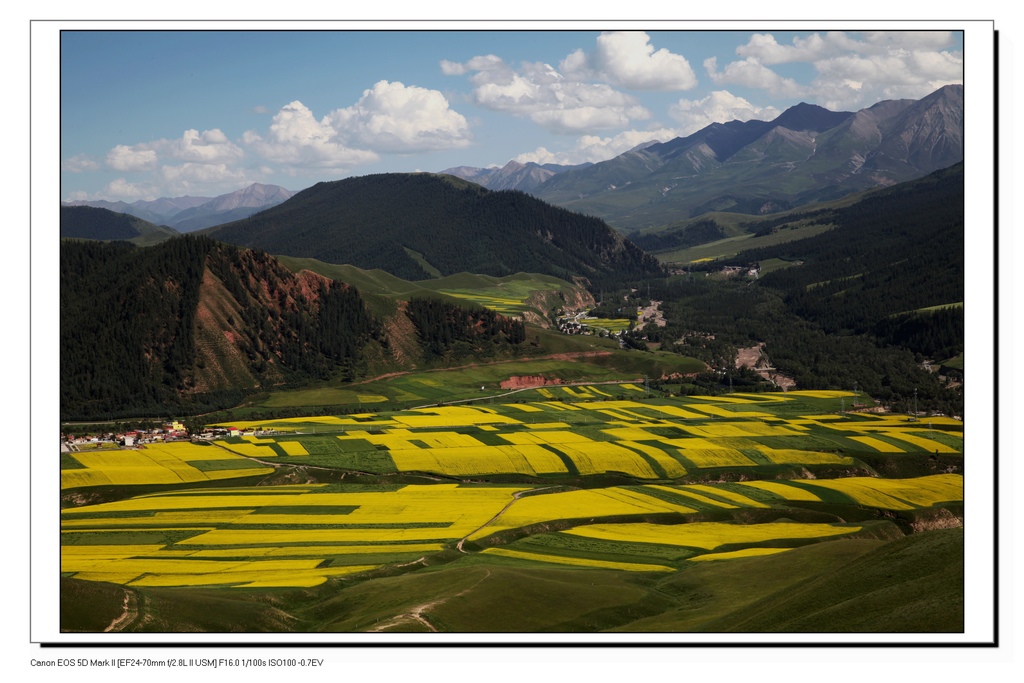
[(920, 441), (293, 448), (596, 457), (716, 457), (321, 550), (723, 493), (577, 561), (749, 428), (377, 521), (709, 535), (898, 494), (671, 466), (786, 491), (719, 411), (700, 498), (745, 552), (451, 416), (629, 434), (676, 412), (253, 577), (878, 444), (527, 459), (785, 456), (166, 463), (547, 507), (161, 519), (821, 394)]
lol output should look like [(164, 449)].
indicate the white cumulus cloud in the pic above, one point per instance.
[(852, 70), (718, 107), (194, 178), (79, 163), (297, 140), (539, 92), (595, 148), (132, 158), (751, 73), (393, 117), (209, 147), (628, 59), (855, 81), (124, 190)]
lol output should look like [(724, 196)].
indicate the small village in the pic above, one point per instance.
[(172, 430)]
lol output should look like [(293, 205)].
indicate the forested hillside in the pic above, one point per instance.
[(191, 323), (418, 226), (863, 303), (90, 223), (897, 250), (445, 328)]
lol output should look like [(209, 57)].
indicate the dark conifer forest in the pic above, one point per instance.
[(417, 226), (129, 326), (447, 330), (863, 303)]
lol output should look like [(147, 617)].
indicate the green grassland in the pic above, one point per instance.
[(591, 359), (730, 246), (509, 295), (955, 362), (858, 585)]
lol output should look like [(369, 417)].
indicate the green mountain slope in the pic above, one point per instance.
[(192, 324), (89, 223), (806, 155), (417, 226), (531, 295)]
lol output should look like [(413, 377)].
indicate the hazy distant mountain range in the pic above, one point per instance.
[(186, 214), (511, 176), (807, 154)]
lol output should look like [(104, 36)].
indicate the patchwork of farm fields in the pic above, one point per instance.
[(642, 486)]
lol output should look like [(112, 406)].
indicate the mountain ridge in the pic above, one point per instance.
[(93, 223), (512, 176), (188, 213), (418, 225), (817, 155)]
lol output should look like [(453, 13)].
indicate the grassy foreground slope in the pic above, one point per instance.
[(914, 584)]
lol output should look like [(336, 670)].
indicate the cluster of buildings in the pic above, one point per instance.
[(169, 431), (581, 322)]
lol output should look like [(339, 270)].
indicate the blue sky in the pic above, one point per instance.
[(146, 114)]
